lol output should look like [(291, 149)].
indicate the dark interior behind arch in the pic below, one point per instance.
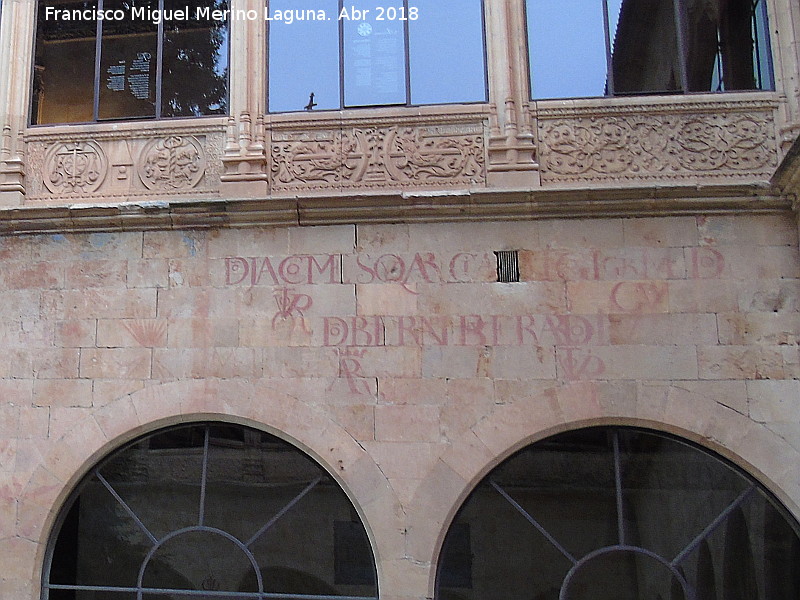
[(624, 514), (206, 507)]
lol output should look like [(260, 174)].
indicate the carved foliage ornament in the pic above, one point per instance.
[(74, 167), (656, 145), (403, 156), (172, 163)]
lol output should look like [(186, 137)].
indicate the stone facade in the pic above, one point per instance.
[(333, 281), (391, 354)]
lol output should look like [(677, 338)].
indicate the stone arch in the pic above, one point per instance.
[(537, 414), (67, 459)]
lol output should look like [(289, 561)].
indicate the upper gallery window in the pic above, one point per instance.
[(616, 47), (129, 59), (212, 512), (375, 53)]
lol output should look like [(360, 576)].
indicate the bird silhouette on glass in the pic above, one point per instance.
[(311, 104)]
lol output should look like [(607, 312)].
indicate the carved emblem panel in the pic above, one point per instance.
[(172, 163), (122, 164), (74, 167), (409, 155), (650, 143)]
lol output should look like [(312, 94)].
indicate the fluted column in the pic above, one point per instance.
[(17, 24), (512, 152), (245, 159)]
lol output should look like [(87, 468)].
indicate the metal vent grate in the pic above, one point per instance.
[(507, 266)]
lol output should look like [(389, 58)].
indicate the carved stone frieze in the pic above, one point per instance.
[(412, 155), (74, 167), (172, 163), (119, 164), (632, 144)]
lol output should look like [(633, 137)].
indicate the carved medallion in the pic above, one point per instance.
[(74, 167), (172, 163)]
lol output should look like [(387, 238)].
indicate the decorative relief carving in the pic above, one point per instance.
[(644, 146), (168, 161), (74, 167), (213, 147), (420, 155), (405, 156), (172, 163), (303, 158)]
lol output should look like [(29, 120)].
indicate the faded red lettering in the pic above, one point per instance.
[(335, 331), (638, 296), (390, 268), (291, 270), (569, 329), (707, 263), (524, 329), (440, 338), (421, 263), (462, 260), (329, 267), (472, 330), (366, 269), (579, 364), (266, 265), (236, 268), (361, 335), (407, 325)]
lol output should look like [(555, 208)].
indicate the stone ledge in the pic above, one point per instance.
[(397, 207)]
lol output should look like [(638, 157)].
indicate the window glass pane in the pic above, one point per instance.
[(567, 48), (128, 56), (374, 57), (765, 79), (191, 76), (195, 61), (727, 47), (63, 85), (644, 48), (304, 56), (446, 51)]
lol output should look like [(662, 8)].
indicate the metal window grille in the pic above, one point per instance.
[(507, 266), (212, 450), (561, 548)]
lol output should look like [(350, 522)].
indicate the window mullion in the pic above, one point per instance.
[(618, 486), (341, 55), (98, 46), (609, 62), (681, 39), (407, 54), (159, 59), (203, 480)]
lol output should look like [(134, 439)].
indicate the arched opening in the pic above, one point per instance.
[(619, 513), (203, 510)]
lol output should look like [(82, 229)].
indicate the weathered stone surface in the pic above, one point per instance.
[(393, 355), (740, 362), (671, 232), (116, 363)]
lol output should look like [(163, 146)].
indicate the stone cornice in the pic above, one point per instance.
[(394, 207)]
